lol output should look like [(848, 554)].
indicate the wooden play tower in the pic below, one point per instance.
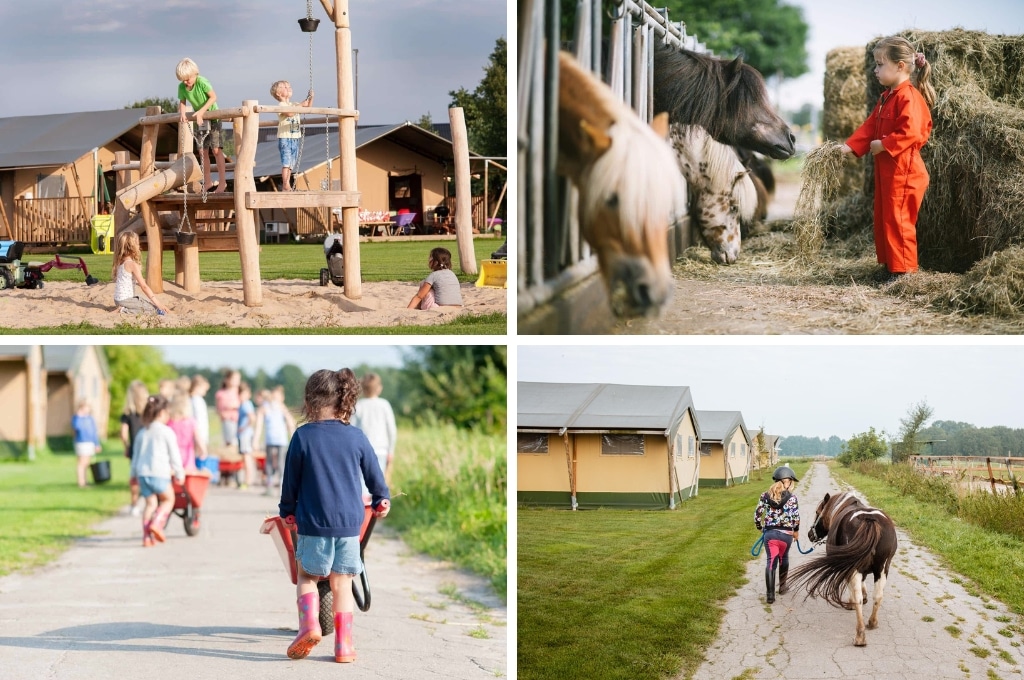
[(150, 193)]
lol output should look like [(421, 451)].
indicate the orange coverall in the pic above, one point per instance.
[(902, 121)]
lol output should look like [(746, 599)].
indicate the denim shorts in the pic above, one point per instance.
[(149, 486), (229, 431), (289, 148), (320, 555), (245, 440)]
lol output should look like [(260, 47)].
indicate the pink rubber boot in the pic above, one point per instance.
[(344, 650), (309, 627), (147, 536), (156, 526)]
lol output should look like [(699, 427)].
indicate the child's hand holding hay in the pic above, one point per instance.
[(822, 176)]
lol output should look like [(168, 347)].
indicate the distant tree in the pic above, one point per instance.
[(166, 104), (425, 122), (486, 107), (461, 384), (132, 362), (866, 446), (910, 429)]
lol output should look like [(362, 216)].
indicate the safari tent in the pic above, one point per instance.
[(724, 449), (767, 458), (588, 445), (40, 387)]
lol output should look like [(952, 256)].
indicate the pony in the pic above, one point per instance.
[(722, 193), (764, 182), (861, 540), (630, 188), (727, 98)]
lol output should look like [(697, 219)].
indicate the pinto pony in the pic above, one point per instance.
[(630, 188), (722, 193), (727, 98), (861, 541)]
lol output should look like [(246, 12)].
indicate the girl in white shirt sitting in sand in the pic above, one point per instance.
[(126, 273)]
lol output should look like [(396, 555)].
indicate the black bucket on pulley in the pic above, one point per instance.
[(308, 25), (100, 471)]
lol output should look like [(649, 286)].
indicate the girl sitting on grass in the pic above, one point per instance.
[(441, 287), (127, 271)]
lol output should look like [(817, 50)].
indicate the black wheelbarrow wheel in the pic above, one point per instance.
[(191, 518), (325, 276), (326, 607)]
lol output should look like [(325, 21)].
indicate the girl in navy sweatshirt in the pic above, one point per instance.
[(327, 462)]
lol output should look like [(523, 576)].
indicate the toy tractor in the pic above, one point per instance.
[(17, 274)]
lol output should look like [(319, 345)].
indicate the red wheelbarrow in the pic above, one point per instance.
[(188, 498), (285, 538)]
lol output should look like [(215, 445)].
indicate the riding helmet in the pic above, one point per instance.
[(784, 472)]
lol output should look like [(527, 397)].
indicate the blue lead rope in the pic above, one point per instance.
[(755, 550)]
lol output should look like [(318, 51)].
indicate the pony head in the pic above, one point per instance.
[(727, 98)]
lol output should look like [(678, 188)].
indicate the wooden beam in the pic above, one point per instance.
[(7, 222), (463, 197), (122, 179), (302, 199), (347, 150), (245, 185), (321, 110), (147, 158), (219, 114)]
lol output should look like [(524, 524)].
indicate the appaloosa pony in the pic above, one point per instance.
[(727, 98), (861, 541), (722, 193), (630, 188)]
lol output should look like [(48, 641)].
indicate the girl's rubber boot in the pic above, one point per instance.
[(769, 582), (156, 526), (344, 650), (309, 627), (147, 536)]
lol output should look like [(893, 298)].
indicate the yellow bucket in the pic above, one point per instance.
[(493, 274)]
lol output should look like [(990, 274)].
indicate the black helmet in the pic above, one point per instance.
[(784, 472)]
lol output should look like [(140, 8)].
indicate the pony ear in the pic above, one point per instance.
[(736, 64), (660, 124), (599, 139), (827, 496)]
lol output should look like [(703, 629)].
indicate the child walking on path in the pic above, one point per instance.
[(289, 130), (273, 418), (441, 287), (375, 417), (127, 272), (155, 460), (131, 424), (184, 427), (246, 430), (197, 395), (327, 461), (87, 438), (778, 515), (894, 134), (197, 91)]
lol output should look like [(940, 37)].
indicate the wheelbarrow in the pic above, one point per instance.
[(285, 538), (188, 499)]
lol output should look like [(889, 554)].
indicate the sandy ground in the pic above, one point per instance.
[(286, 304), (221, 605), (930, 626)]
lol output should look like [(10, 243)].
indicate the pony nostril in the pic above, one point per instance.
[(792, 137), (643, 295)]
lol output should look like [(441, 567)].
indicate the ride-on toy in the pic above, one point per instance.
[(17, 274), (334, 272)]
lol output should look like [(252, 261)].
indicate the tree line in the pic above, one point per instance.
[(940, 438)]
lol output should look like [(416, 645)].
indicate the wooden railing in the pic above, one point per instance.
[(52, 220), (999, 474)]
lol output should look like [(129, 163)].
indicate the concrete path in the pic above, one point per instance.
[(930, 627), (221, 605)]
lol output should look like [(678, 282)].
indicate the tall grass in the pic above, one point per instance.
[(453, 486)]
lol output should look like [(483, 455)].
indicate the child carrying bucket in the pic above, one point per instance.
[(328, 459)]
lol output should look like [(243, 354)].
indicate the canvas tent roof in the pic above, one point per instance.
[(58, 358), (601, 406), (62, 138), (717, 426)]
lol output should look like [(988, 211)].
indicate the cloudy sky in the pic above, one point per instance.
[(90, 55), (809, 390), (846, 24), (270, 357)]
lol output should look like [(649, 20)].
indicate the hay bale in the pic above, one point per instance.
[(846, 107), (976, 152), (995, 285)]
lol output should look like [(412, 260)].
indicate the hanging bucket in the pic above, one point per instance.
[(308, 25), (100, 471)]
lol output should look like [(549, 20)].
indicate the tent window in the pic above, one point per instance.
[(692, 449), (705, 449), (732, 450), (532, 443), (679, 446), (622, 445), (51, 186)]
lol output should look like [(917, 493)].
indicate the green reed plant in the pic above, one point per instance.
[(449, 490)]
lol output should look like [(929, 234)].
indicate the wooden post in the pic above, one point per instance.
[(463, 192), (147, 161), (78, 189), (245, 183), (991, 477), (35, 416), (122, 179), (7, 222), (347, 147)]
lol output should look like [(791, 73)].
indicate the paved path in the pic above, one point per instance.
[(800, 639), (220, 605)]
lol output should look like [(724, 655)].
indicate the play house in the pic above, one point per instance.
[(40, 386), (724, 449), (587, 445)]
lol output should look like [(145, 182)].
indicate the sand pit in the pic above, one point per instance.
[(286, 304)]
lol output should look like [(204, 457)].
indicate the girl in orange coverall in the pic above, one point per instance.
[(894, 134)]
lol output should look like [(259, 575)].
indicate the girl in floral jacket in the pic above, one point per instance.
[(778, 515)]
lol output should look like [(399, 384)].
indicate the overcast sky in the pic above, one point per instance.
[(808, 390), (271, 357), (90, 55), (846, 24)]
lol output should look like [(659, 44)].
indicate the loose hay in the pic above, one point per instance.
[(822, 176), (993, 286), (846, 106)]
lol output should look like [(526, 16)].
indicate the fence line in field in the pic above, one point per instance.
[(974, 471)]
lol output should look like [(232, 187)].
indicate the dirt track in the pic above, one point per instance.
[(929, 627)]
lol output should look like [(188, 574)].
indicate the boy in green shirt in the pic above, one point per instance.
[(197, 91)]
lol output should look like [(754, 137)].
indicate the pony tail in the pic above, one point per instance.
[(348, 393), (924, 83)]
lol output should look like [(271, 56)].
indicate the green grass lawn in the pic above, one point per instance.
[(379, 261)]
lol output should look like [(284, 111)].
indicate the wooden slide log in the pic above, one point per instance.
[(146, 188)]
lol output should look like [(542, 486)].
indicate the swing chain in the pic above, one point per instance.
[(203, 132)]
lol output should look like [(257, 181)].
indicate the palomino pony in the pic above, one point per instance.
[(722, 194), (861, 541), (727, 98), (630, 189)]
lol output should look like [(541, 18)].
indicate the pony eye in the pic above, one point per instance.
[(612, 201)]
